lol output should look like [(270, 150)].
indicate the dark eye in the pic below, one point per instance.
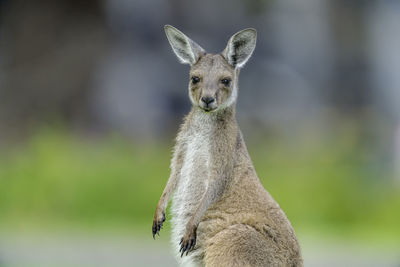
[(195, 79), (226, 81)]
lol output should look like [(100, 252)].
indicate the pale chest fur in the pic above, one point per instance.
[(193, 175)]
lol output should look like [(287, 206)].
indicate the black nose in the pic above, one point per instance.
[(208, 99)]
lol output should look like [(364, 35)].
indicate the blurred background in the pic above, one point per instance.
[(91, 96)]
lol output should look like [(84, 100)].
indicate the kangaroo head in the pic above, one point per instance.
[(213, 83)]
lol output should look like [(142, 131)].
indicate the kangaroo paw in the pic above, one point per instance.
[(157, 224), (188, 242)]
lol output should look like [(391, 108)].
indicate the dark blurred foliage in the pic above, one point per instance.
[(50, 49)]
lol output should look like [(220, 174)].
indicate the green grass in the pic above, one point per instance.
[(56, 178), (62, 178)]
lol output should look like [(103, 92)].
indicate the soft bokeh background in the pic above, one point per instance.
[(91, 97)]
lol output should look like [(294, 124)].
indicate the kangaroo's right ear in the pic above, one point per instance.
[(187, 51), (240, 47)]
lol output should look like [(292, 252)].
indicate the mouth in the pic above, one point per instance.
[(207, 108)]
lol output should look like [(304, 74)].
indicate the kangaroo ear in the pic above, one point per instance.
[(187, 51), (240, 47)]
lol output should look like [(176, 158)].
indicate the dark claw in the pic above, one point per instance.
[(192, 244), (184, 248), (189, 245)]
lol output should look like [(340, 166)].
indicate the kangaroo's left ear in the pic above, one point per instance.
[(187, 51), (240, 47)]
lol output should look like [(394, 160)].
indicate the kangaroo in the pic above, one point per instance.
[(221, 213)]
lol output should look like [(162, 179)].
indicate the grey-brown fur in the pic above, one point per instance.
[(222, 215)]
